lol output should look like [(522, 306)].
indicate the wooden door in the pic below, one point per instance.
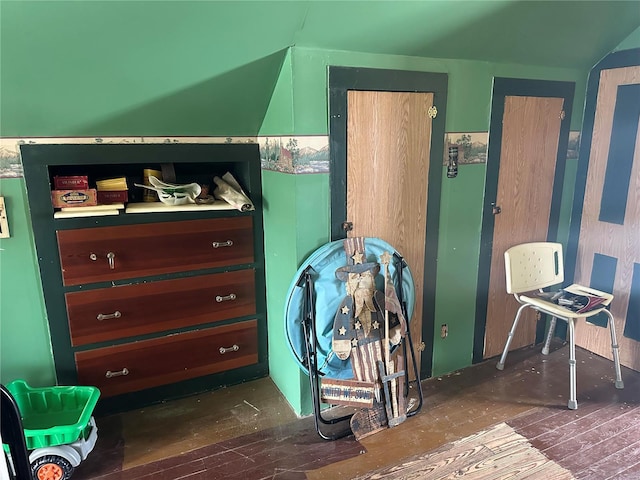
[(386, 132), (608, 255), (388, 150), (529, 148)]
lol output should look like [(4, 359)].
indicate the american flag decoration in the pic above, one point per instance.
[(347, 392), (391, 302)]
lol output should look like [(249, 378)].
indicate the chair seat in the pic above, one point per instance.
[(563, 312)]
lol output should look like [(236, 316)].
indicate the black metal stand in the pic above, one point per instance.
[(400, 266), (309, 326), (13, 435)]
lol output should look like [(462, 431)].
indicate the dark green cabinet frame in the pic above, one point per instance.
[(191, 162)]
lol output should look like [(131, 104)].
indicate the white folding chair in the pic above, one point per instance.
[(534, 266)]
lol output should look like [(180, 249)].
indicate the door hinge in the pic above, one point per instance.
[(432, 112), (347, 226), (562, 114)]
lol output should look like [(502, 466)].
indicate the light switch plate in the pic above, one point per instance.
[(4, 223)]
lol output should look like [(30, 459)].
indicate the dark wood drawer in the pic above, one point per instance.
[(126, 311), (111, 253), (160, 361)]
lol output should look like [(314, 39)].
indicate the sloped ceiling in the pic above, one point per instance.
[(573, 34), (104, 66)]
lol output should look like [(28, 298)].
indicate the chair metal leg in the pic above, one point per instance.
[(500, 365), (573, 402), (614, 349), (552, 330)]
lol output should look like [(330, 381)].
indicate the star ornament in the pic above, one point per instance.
[(354, 342), (375, 325), (358, 325), (385, 258), (357, 258), (342, 331), (345, 310)]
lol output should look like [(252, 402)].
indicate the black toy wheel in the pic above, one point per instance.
[(51, 467)]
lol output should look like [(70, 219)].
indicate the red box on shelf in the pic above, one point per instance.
[(106, 197), (70, 182), (74, 198)]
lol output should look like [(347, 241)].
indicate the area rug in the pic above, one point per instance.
[(498, 453)]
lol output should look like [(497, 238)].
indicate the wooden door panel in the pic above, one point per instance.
[(388, 149), (530, 137), (618, 241)]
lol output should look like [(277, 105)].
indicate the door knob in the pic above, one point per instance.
[(495, 209)]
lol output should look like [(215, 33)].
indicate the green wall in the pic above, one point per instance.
[(25, 346), (282, 221), (468, 110), (299, 106), (297, 206), (296, 223), (469, 91), (121, 68)]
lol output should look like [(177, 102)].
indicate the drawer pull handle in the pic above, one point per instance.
[(231, 296), (228, 243), (107, 316), (223, 350), (111, 258), (121, 373), (93, 257)]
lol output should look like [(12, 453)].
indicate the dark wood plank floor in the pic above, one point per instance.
[(601, 439), (248, 432)]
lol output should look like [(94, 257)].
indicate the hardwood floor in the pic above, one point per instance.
[(498, 452), (248, 432)]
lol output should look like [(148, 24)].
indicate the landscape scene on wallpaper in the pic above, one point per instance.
[(298, 155), (11, 165), (473, 147)]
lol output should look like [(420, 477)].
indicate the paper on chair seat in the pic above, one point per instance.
[(575, 299)]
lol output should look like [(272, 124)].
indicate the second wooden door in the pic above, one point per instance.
[(531, 128), (523, 192), (388, 150)]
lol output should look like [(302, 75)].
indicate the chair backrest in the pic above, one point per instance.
[(531, 266)]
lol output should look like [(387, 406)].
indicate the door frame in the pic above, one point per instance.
[(623, 58), (502, 88), (343, 79)]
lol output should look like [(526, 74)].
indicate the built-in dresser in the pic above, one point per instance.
[(151, 302)]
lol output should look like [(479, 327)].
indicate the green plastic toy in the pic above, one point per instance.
[(59, 428)]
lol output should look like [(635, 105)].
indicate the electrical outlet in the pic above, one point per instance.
[(444, 330)]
